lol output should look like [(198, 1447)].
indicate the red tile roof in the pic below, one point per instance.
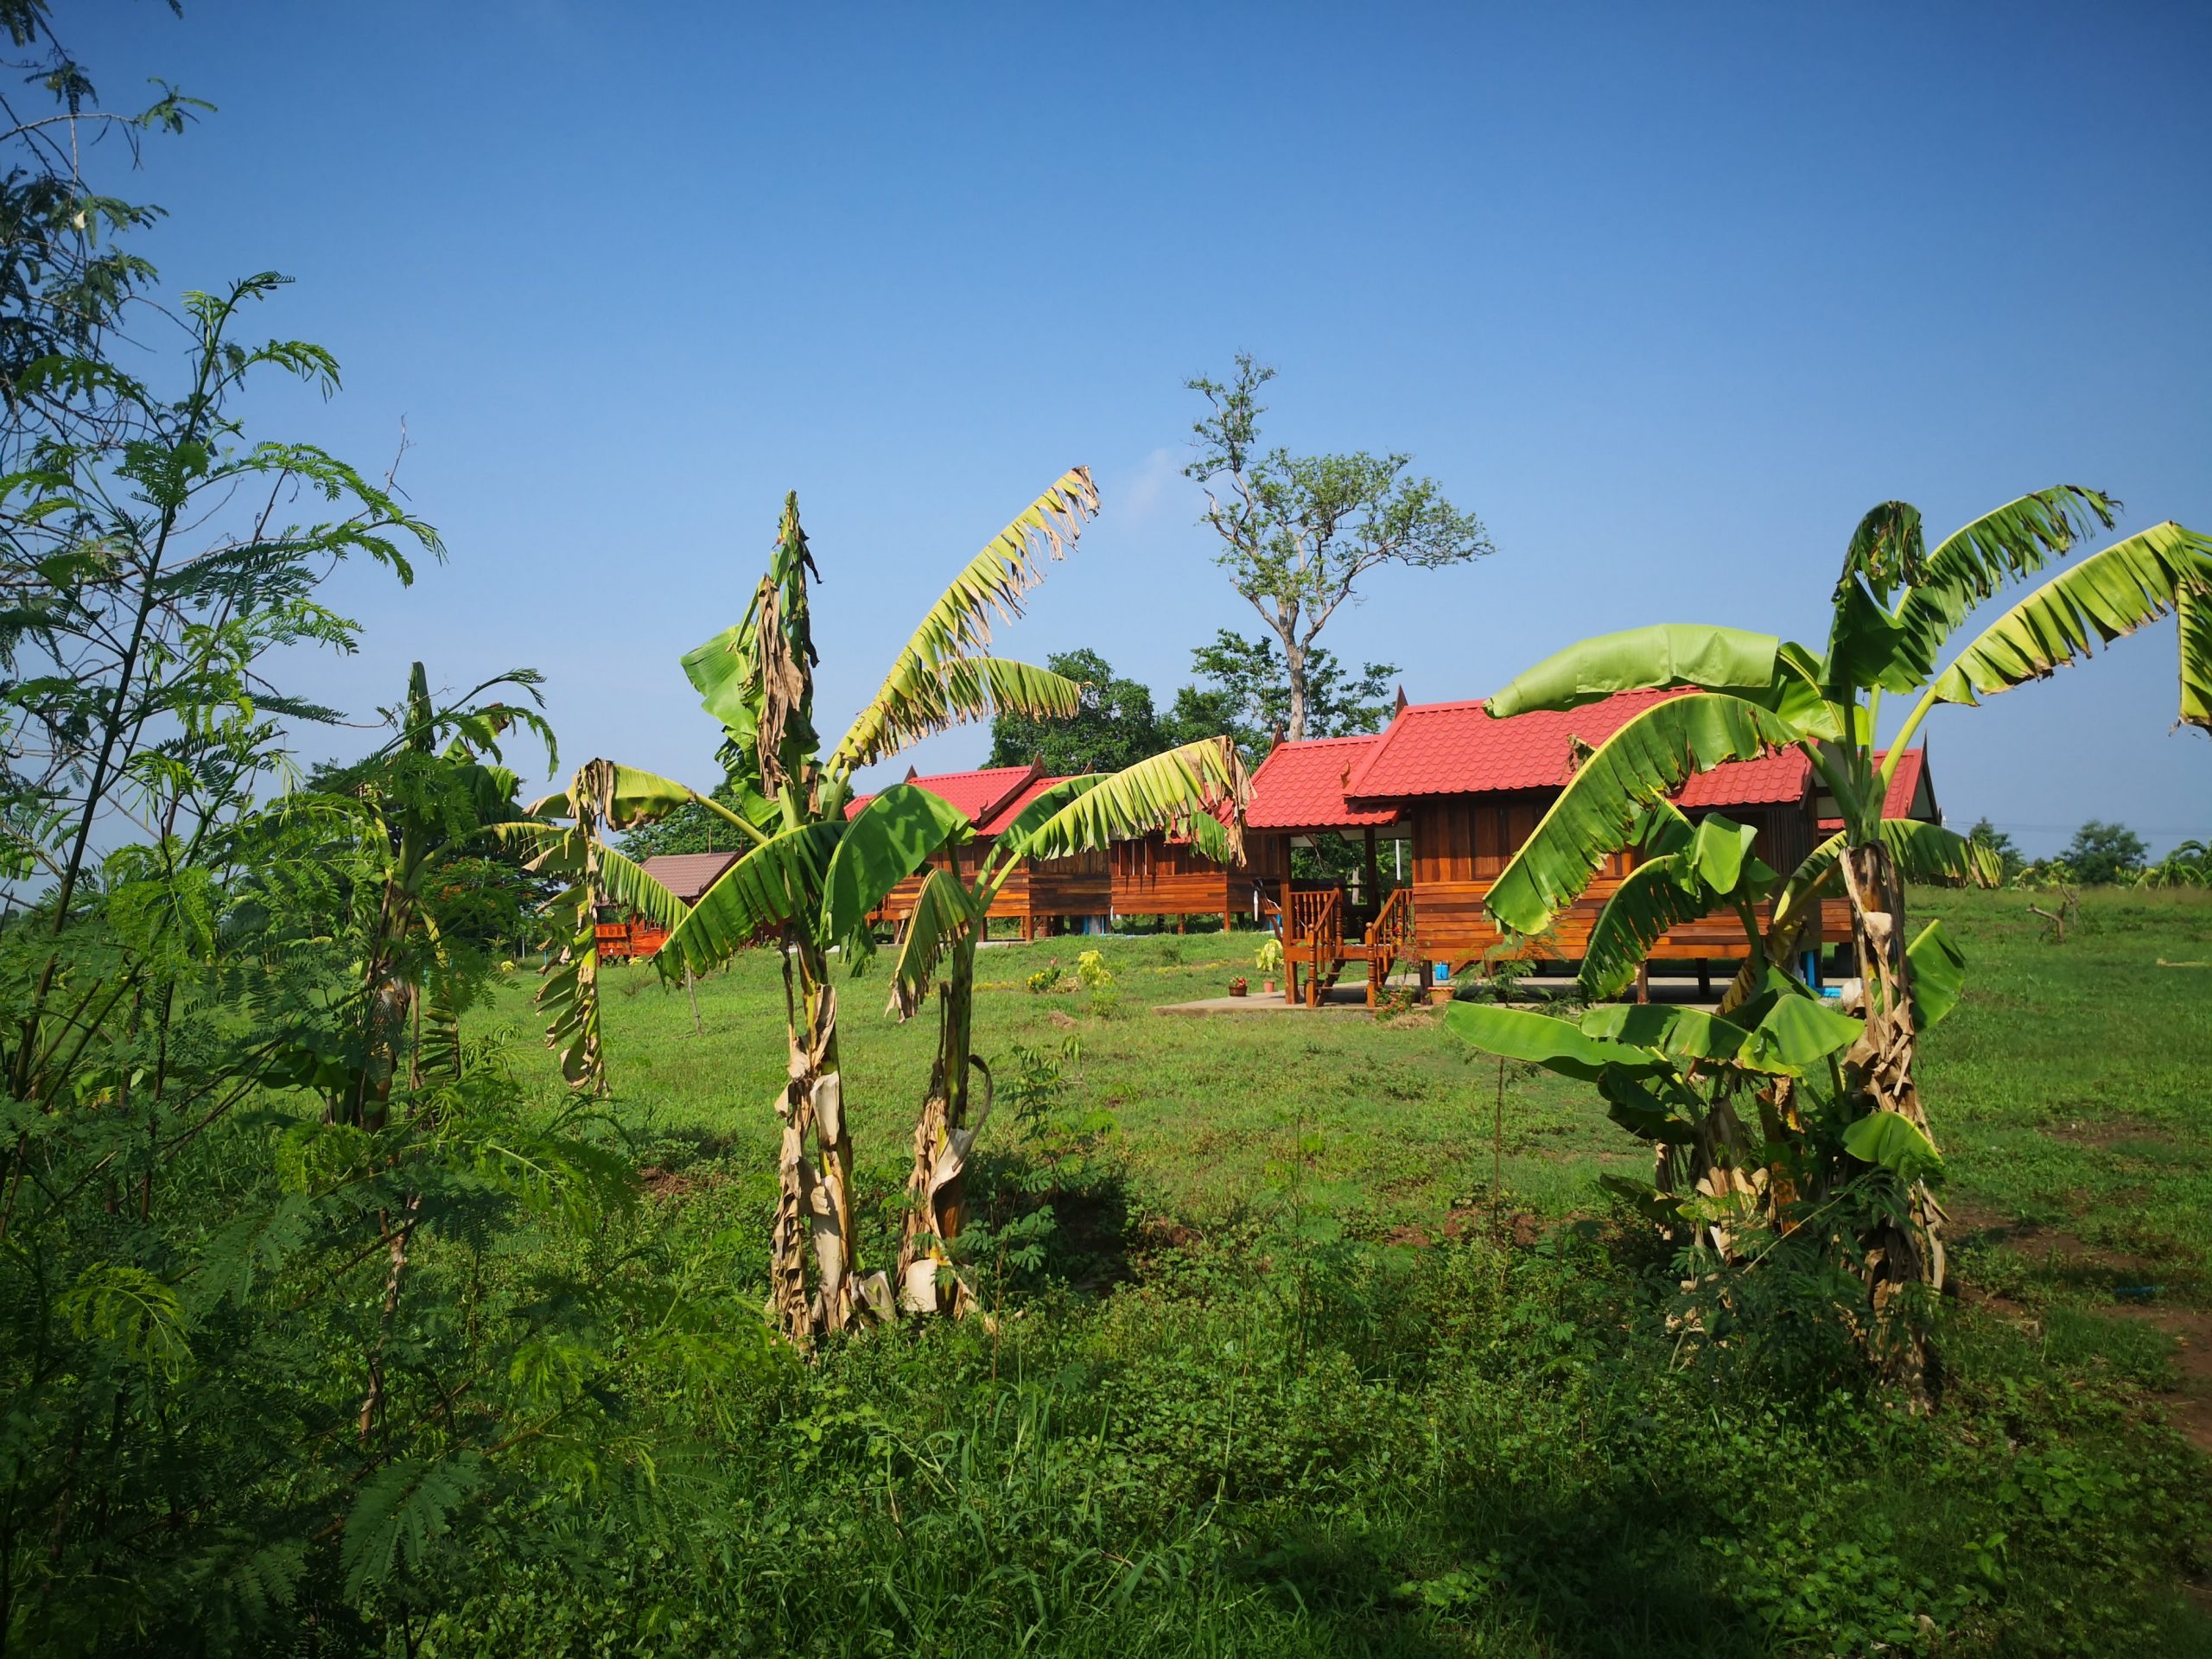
[(1301, 786), (1456, 748), (1904, 788)]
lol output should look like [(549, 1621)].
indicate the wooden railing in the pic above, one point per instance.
[(1313, 934), (1387, 940)]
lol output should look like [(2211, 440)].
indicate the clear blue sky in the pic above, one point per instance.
[(1669, 295)]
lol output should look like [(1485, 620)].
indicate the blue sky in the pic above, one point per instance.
[(1669, 295)]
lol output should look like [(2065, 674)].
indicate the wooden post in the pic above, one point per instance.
[(1643, 982), (1374, 872), (1180, 920)]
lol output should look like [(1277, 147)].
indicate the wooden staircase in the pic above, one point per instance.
[(1391, 939)]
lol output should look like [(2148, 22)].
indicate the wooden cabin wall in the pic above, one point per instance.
[(1152, 876), (1460, 844)]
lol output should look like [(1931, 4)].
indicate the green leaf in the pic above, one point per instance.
[(945, 914), (1641, 1113), (1894, 1143), (1598, 812), (1647, 1201), (1972, 562), (1939, 975), (2109, 594), (887, 840), (403, 1509), (1664, 654), (1677, 1033), (1556, 1045), (937, 679), (780, 880), (1799, 1030), (1181, 789)]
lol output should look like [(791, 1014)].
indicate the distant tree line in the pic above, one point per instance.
[(2101, 854)]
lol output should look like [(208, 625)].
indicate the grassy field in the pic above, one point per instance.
[(2069, 1090), (1280, 1383)]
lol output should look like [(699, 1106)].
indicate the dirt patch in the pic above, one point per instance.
[(2189, 1406), (1527, 1229), (665, 1185), (2048, 1247)]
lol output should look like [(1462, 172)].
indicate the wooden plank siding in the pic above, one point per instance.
[(1461, 843), (1039, 892), (1156, 877)]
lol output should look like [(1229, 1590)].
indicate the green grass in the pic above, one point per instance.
[(1236, 1410)]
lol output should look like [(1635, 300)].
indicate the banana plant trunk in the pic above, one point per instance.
[(936, 1188), (814, 1202), (388, 995), (1907, 1250)]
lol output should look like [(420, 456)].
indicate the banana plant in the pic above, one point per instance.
[(418, 805), (1896, 605), (1200, 790), (809, 878)]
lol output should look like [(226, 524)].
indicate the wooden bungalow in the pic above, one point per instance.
[(625, 937), (1467, 791), (1042, 893), (1163, 875)]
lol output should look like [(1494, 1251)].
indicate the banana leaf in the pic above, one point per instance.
[(1664, 654), (1558, 1045), (916, 698), (1939, 975), (886, 841), (2109, 594), (1598, 812)]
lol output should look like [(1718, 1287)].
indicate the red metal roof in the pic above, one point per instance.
[(1456, 748), (1904, 789), (978, 795), (1301, 786), (688, 875), (1007, 810), (1769, 780)]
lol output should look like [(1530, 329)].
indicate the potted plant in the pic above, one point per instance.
[(1236, 986), (1268, 961)]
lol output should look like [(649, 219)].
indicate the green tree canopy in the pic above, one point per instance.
[(1112, 729), (2101, 854), (1299, 533), (2006, 851), (1245, 692)]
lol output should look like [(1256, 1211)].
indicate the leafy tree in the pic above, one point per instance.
[(1200, 790), (2000, 846), (811, 876), (1245, 692), (1112, 727), (691, 827), (1300, 532), (2101, 854), (1895, 604)]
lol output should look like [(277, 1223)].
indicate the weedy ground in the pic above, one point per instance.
[(1274, 1365)]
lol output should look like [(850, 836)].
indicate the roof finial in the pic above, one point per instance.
[(1401, 699)]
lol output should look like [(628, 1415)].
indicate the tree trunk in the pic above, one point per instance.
[(937, 1187), (1906, 1251), (814, 1200), (1294, 661)]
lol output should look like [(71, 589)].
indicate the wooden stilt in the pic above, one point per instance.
[(1643, 982)]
